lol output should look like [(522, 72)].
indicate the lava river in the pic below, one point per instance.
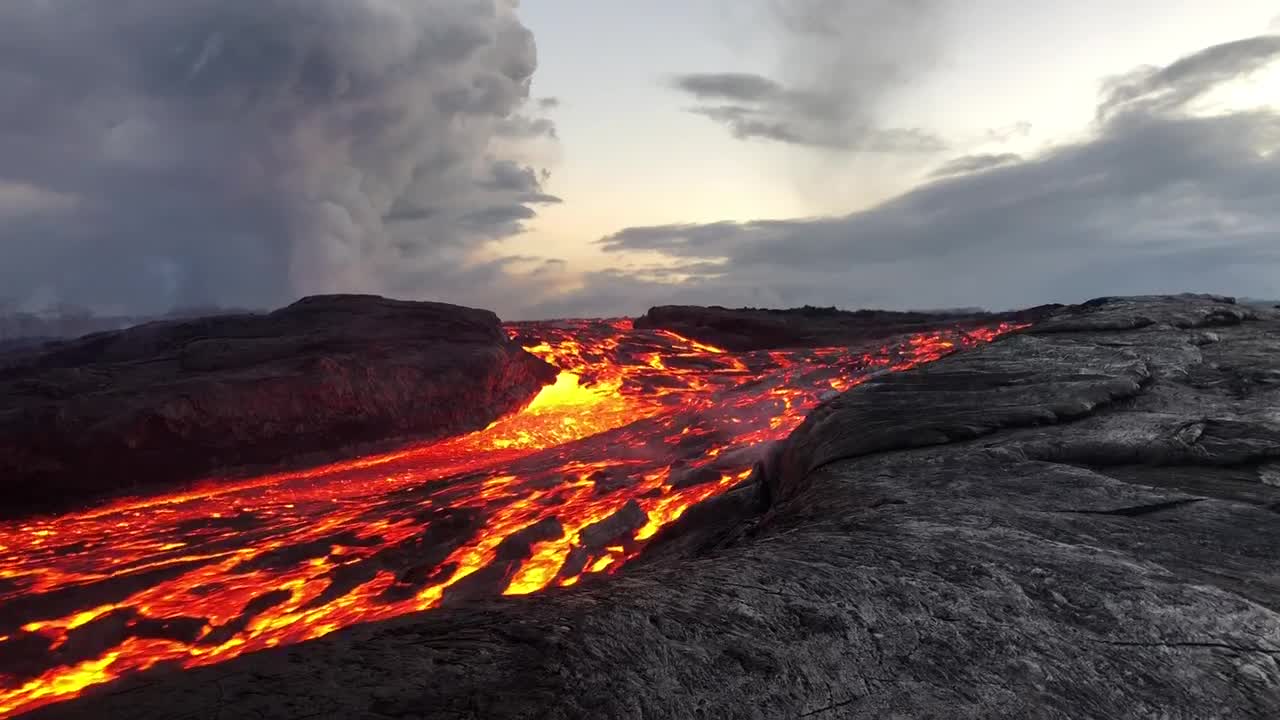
[(640, 426)]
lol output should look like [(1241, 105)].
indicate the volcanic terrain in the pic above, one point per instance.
[(1074, 515), (632, 428)]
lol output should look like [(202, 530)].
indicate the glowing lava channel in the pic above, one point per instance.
[(639, 426)]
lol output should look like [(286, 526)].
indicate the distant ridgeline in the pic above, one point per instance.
[(47, 325), (831, 310), (1259, 301), (24, 328)]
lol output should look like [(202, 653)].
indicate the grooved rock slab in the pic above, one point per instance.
[(172, 401), (1073, 524), (1017, 383), (1164, 312)]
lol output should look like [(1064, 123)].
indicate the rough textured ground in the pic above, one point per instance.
[(1077, 522), (172, 401), (755, 329)]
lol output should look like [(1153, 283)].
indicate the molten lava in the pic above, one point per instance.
[(639, 427)]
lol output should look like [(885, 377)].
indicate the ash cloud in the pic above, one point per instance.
[(841, 59), (163, 153), (1160, 198)]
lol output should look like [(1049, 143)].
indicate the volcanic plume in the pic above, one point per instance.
[(639, 426)]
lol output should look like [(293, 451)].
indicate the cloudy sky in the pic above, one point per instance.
[(550, 158)]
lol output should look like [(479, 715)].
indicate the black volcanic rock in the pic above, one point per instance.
[(617, 528), (1079, 521), (744, 329), (23, 343), (172, 401)]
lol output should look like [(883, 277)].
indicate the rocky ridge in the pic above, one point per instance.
[(168, 402)]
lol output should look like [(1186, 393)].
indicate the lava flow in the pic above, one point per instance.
[(640, 426)]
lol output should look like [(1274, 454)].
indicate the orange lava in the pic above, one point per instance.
[(640, 425)]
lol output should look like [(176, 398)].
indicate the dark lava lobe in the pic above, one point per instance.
[(744, 329), (1078, 522), (173, 401)]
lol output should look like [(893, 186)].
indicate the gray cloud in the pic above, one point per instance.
[(841, 59), (164, 153), (1157, 200), (776, 120), (1175, 86), (974, 163), (526, 126), (708, 240), (508, 175), (737, 87)]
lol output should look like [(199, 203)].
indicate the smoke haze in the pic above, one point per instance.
[(839, 60)]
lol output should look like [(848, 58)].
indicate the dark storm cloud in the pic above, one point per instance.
[(1158, 200), (499, 220), (693, 240), (737, 87), (508, 175), (179, 152), (841, 59)]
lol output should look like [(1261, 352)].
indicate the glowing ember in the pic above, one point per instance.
[(639, 427)]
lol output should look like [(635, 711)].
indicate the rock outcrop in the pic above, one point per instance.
[(743, 329), (173, 401), (1076, 522)]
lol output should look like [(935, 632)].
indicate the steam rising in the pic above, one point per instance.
[(249, 151), (840, 60)]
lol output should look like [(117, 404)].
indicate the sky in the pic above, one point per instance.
[(551, 159)]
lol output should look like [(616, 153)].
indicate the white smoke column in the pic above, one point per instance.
[(844, 58)]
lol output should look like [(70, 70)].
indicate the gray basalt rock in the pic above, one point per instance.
[(172, 401), (968, 397), (1077, 522)]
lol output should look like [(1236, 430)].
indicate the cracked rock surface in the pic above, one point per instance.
[(1082, 521)]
